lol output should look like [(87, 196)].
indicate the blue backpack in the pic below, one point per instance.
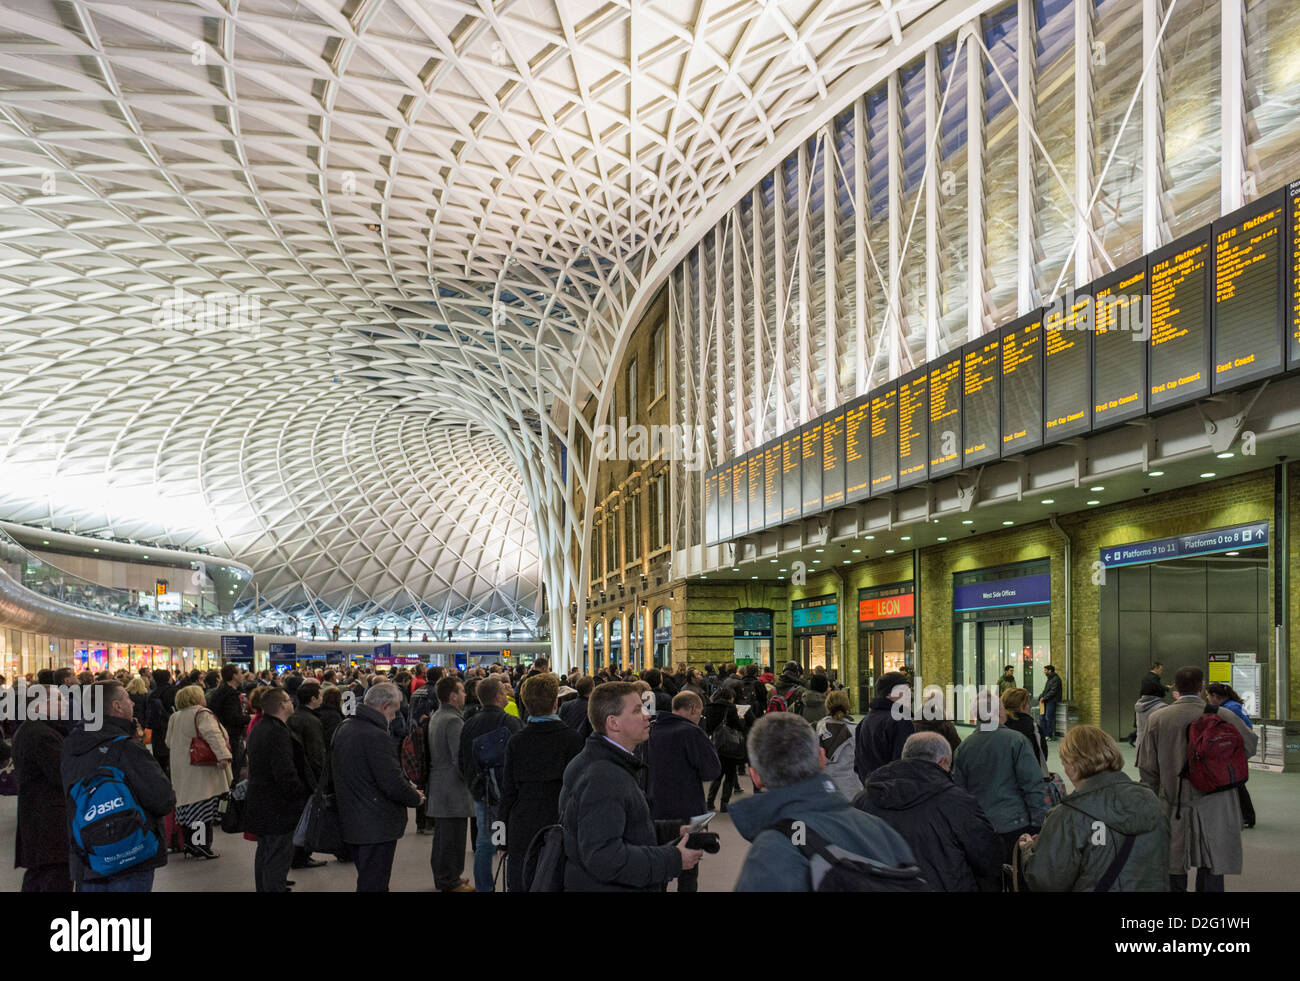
[(490, 759), (109, 828)]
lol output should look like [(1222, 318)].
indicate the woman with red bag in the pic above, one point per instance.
[(200, 769)]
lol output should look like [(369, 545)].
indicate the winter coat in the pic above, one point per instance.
[(488, 718), (1052, 689), (448, 793), (85, 752), (228, 706), (307, 724), (1204, 829), (372, 792), (1152, 685), (197, 783), (279, 780), (1000, 770), (330, 719), (1142, 710), (836, 736), (530, 793), (682, 760), (813, 708), (161, 704), (954, 844), (879, 738), (41, 837), (611, 843), (1024, 725), (943, 727), (774, 864), (573, 713), (1072, 853)]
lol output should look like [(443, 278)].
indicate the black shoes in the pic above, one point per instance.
[(311, 863)]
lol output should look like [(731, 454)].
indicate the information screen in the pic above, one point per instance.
[(755, 488), (1067, 367), (1293, 275), (945, 415), (739, 497), (811, 437), (724, 503), (1179, 363), (913, 428), (711, 509), (772, 485), (833, 459), (981, 370), (1249, 257), (791, 487), (1022, 384), (857, 443), (1121, 325), (884, 440)]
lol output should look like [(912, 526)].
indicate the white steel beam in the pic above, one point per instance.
[(1152, 130), (1027, 198), (803, 251), (893, 319), (975, 182), (861, 372), (1236, 187), (932, 84)]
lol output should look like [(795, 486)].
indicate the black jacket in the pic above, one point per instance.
[(536, 758), (373, 794), (682, 760), (1052, 689), (1152, 685), (330, 719), (879, 738), (279, 779), (42, 834), (306, 723), (1025, 725), (85, 752), (611, 844), (953, 842), (574, 713), (486, 719), (161, 704), (228, 707)]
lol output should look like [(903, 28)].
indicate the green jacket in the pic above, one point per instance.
[(1082, 836), (1000, 769)]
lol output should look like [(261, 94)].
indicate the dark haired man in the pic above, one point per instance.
[(227, 705), (449, 804), (881, 735), (682, 759), (479, 739)]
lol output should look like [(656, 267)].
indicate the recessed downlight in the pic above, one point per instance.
[(1048, 500), (848, 561), (1097, 490), (857, 551), (942, 538), (868, 538), (819, 550), (1091, 503), (889, 551), (1207, 476), (753, 577), (1156, 473), (906, 538), (1008, 523), (1225, 456), (817, 561), (967, 521)]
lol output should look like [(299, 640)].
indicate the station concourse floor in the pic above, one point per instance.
[(1271, 849)]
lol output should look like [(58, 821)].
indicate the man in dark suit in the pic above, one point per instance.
[(279, 782), (682, 760)]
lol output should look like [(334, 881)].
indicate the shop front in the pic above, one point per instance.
[(616, 644), (663, 637), (816, 632), (1001, 617), (886, 634), (752, 637), (598, 646)]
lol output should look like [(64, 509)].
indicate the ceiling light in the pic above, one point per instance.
[(1048, 500), (1096, 490), (1090, 503), (868, 538), (857, 551), (817, 561), (773, 561), (819, 550), (1232, 553), (785, 570), (96, 550), (1207, 476), (753, 577), (1008, 522), (906, 538), (1225, 456), (780, 577), (889, 551), (1156, 473), (942, 539), (735, 570), (45, 543), (968, 521), (847, 562)]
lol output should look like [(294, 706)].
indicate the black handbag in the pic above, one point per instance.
[(318, 829), (232, 809), (729, 743)]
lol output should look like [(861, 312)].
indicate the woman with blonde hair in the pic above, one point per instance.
[(194, 736), (1110, 834)]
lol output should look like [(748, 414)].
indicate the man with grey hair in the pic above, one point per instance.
[(372, 792), (954, 844), (800, 808)]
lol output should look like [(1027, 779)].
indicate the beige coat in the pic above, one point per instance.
[(197, 783), (1206, 834)]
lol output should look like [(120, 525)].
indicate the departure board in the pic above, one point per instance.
[(833, 459), (913, 428), (1022, 384), (811, 462), (857, 450), (740, 497), (791, 487), (724, 503), (981, 372), (755, 491), (711, 509), (1293, 274), (772, 485), (945, 415), (1249, 255), (1067, 366), (1121, 325), (884, 440), (1179, 359)]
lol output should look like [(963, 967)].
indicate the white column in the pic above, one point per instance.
[(1152, 131), (782, 300), (805, 285), (893, 324), (1082, 139), (1027, 199), (1233, 74), (759, 326), (975, 182), (738, 335), (831, 395), (933, 84), (861, 372)]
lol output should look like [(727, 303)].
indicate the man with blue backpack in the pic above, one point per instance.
[(118, 800), (482, 763)]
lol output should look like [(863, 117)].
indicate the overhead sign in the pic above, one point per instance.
[(236, 647), (383, 650), (283, 649), (1020, 591), (886, 607), (1251, 535), (169, 602), (817, 613)]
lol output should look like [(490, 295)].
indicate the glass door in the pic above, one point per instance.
[(1003, 642)]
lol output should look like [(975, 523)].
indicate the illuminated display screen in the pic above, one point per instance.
[(1293, 274), (1248, 294), (1122, 320), (1022, 384), (772, 485), (756, 491), (724, 503), (1179, 360), (884, 440), (739, 498), (791, 488), (913, 428), (980, 371), (1067, 367), (811, 439), (711, 509), (945, 416), (857, 452), (833, 459)]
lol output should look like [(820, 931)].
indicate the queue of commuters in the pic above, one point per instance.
[(607, 783)]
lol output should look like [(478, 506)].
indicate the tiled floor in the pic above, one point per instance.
[(1272, 853)]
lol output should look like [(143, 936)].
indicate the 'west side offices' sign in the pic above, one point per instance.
[(1218, 309)]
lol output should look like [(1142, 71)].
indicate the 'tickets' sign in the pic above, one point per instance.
[(886, 607)]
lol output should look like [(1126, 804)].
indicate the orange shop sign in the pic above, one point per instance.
[(885, 607)]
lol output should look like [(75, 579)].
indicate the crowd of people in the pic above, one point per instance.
[(607, 782)]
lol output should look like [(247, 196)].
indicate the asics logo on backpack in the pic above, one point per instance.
[(99, 810)]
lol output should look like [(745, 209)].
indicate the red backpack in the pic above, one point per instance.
[(1216, 754)]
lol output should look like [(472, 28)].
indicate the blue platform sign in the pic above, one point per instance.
[(383, 650), (236, 647), (461, 660), (1020, 591), (283, 649), (1252, 535)]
